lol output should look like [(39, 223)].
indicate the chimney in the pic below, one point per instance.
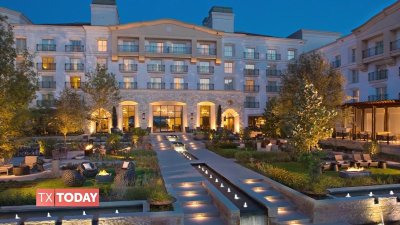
[(104, 12), (220, 18)]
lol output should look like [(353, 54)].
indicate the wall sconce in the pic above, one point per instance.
[(143, 116)]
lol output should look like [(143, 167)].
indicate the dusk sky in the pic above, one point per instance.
[(270, 17)]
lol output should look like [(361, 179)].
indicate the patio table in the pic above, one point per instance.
[(6, 168)]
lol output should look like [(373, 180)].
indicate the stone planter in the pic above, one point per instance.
[(161, 203)]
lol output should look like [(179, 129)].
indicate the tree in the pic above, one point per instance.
[(102, 90), (308, 120), (219, 116), (273, 119), (17, 90), (71, 112), (114, 117)]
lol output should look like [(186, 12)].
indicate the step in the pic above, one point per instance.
[(206, 199), (198, 192), (204, 221), (291, 217), (204, 210)]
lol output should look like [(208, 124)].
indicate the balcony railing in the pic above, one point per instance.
[(128, 85), (205, 86), (252, 105), (179, 86), (274, 72), (251, 88), (179, 68), (46, 47), (156, 49), (155, 68), (45, 103), (378, 75), (126, 68), (206, 51), (377, 50), (74, 48), (205, 69), (377, 97), (74, 85), (394, 45), (46, 66), (229, 87), (75, 67), (128, 48), (273, 88), (157, 85), (47, 84), (21, 50), (251, 72), (251, 55), (336, 64), (273, 57), (179, 50)]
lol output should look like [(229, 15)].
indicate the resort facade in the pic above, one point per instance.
[(172, 75)]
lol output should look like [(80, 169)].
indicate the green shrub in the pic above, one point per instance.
[(137, 193), (226, 145), (268, 157), (324, 182)]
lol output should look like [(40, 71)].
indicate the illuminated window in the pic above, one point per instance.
[(178, 83), (48, 63), (228, 67), (102, 45), (128, 117), (75, 82)]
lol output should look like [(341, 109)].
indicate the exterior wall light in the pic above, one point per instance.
[(143, 116)]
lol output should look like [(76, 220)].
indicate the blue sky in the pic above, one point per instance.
[(270, 17)]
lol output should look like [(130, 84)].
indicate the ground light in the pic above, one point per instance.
[(48, 214), (17, 217), (116, 211), (84, 213)]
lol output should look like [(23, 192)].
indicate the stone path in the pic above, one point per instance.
[(184, 182)]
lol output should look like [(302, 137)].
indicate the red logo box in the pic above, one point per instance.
[(45, 197), (68, 197)]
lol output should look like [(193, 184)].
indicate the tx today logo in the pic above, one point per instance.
[(68, 197)]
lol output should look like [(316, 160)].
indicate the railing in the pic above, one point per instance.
[(179, 86), (46, 103), (155, 68), (206, 51), (74, 48), (156, 49), (74, 85), (274, 72), (47, 84), (229, 87), (179, 50), (124, 68), (273, 88), (205, 69), (158, 85), (128, 48), (394, 45), (377, 97), (46, 47), (273, 57), (46, 66), (205, 86), (74, 67), (251, 72), (378, 75), (251, 55), (251, 88), (336, 63), (128, 85), (252, 105), (377, 50), (179, 68)]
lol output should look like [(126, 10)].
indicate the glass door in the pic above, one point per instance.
[(167, 118)]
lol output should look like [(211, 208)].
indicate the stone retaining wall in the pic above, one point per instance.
[(164, 218)]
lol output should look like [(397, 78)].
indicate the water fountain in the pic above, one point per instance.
[(83, 213), (216, 180), (17, 217), (348, 195), (48, 214), (370, 194), (245, 205), (222, 185), (391, 192), (236, 197), (116, 211), (229, 190)]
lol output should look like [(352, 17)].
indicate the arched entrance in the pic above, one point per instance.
[(206, 115), (101, 121), (167, 116), (230, 120)]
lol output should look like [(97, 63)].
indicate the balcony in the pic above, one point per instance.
[(156, 49), (74, 48), (205, 87), (251, 72), (45, 47), (179, 50), (273, 88), (74, 67), (395, 45), (229, 87), (377, 50), (74, 85), (179, 86), (179, 68), (127, 68), (45, 103), (380, 97), (252, 105), (128, 48), (155, 68), (156, 85), (251, 88), (205, 69), (336, 64), (378, 75), (207, 51), (128, 85), (46, 66), (47, 84), (274, 72), (251, 55), (273, 57)]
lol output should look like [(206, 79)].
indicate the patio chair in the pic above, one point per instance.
[(31, 161), (359, 161), (340, 162), (88, 169), (367, 158), (5, 168)]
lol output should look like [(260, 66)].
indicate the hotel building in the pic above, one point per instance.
[(172, 75)]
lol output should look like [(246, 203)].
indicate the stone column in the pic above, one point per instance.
[(373, 135), (386, 120)]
